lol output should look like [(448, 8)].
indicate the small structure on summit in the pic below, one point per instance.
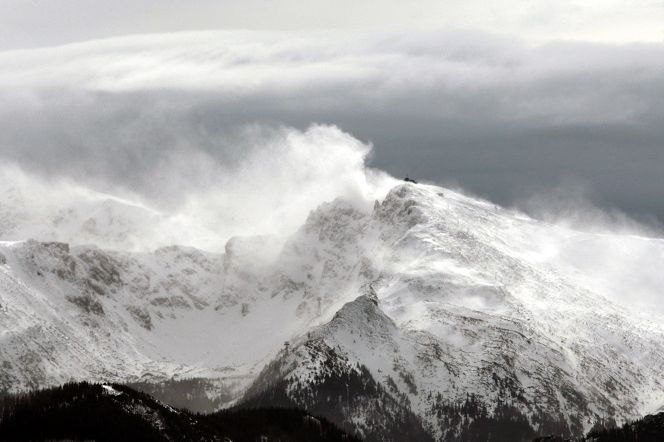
[(409, 180)]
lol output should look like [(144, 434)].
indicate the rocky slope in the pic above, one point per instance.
[(461, 316), (437, 311)]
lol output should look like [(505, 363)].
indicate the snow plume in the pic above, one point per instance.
[(279, 175), (572, 204), (604, 250), (144, 141)]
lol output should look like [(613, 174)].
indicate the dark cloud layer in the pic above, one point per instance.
[(493, 115)]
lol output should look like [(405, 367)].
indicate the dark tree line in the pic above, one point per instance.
[(648, 428), (85, 411)]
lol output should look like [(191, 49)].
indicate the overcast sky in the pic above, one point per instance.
[(509, 99), (29, 23)]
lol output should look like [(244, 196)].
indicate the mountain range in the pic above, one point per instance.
[(429, 315)]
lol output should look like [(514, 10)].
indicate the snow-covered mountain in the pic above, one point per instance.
[(432, 315), (76, 215)]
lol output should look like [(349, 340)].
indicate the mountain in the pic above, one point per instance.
[(458, 320), (112, 412), (429, 316), (57, 211), (84, 218)]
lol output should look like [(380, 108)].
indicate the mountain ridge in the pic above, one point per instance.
[(450, 308)]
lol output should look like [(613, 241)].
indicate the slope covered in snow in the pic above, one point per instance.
[(68, 213), (446, 308), (473, 300)]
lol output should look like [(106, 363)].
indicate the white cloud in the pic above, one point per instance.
[(335, 68)]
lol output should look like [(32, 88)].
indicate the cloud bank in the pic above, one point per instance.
[(497, 116)]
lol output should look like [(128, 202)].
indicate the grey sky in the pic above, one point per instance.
[(499, 106), (31, 23)]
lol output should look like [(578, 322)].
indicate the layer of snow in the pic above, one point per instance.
[(462, 296), (110, 390)]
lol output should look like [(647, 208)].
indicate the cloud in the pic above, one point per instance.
[(42, 23), (162, 117)]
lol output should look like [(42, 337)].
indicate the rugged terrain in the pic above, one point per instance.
[(431, 315)]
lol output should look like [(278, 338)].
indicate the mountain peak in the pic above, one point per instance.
[(434, 303)]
